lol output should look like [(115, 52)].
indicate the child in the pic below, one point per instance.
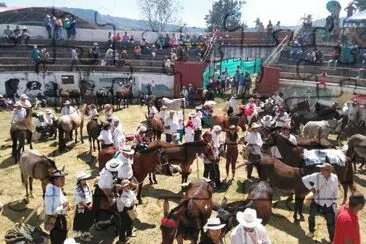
[(84, 216)]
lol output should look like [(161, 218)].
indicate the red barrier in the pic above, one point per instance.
[(185, 73), (270, 81)]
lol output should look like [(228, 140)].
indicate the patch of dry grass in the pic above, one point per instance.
[(281, 229)]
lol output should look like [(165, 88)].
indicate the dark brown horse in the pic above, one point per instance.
[(105, 155), (156, 126), (35, 166), (19, 133), (73, 95), (184, 154), (124, 95), (259, 198), (186, 221), (294, 156), (93, 128), (225, 121), (68, 123)]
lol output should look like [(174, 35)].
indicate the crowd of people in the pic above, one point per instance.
[(17, 36), (56, 27)]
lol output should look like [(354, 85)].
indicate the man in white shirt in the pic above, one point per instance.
[(197, 125), (67, 108), (171, 126), (286, 133), (25, 102), (254, 145), (163, 113), (250, 230), (19, 113), (126, 160), (324, 186), (118, 135), (56, 206), (106, 136), (232, 104), (152, 110)]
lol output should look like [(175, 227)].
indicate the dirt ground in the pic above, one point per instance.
[(281, 228)]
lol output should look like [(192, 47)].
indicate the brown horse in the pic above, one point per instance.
[(259, 198), (225, 121), (19, 133), (93, 128), (156, 126), (184, 154), (143, 164), (124, 95), (35, 166), (314, 143), (72, 95), (294, 156), (186, 221), (68, 123)]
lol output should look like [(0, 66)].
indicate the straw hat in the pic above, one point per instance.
[(82, 175), (112, 165), (326, 166), (128, 150), (248, 218), (23, 96), (57, 174), (213, 224), (125, 183), (233, 127), (67, 102), (255, 125)]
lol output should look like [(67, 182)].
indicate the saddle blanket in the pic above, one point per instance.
[(318, 156)]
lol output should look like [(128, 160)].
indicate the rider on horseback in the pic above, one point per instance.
[(25, 102), (19, 113), (67, 108), (286, 133), (118, 134)]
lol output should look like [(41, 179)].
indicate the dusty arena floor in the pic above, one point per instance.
[(281, 228)]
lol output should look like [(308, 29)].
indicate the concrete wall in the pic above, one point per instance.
[(33, 84), (242, 52)]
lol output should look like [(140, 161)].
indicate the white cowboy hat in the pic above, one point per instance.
[(82, 175), (67, 102), (267, 119), (115, 119), (127, 150), (164, 107), (213, 224), (255, 125), (328, 166), (58, 173), (125, 182), (192, 114), (112, 165), (142, 128), (248, 218), (209, 103), (24, 96), (216, 128), (18, 104)]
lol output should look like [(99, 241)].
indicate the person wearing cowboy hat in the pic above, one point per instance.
[(125, 203), (170, 126), (163, 112), (24, 100), (231, 142), (199, 111), (50, 117), (56, 206), (278, 100), (125, 156), (140, 136), (282, 117), (105, 136), (267, 121), (189, 128), (324, 186), (197, 124), (232, 105), (250, 230), (286, 133), (212, 232), (108, 112), (176, 139), (184, 93), (103, 190), (84, 217), (67, 108), (254, 144), (118, 134), (18, 114)]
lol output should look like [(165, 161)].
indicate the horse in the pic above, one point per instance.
[(356, 147), (68, 123), (93, 128), (303, 106), (225, 121), (72, 95), (124, 94), (293, 155), (19, 133), (259, 198), (35, 166), (174, 104), (184, 154), (186, 221), (349, 131), (156, 126), (102, 96)]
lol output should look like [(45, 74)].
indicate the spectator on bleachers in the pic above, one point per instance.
[(269, 29), (8, 34), (160, 42), (336, 55), (118, 38), (47, 23), (60, 29), (109, 57), (173, 41), (166, 41), (72, 30), (181, 40), (153, 52), (67, 26), (350, 10), (122, 57), (131, 41), (137, 51), (110, 39), (94, 53), (167, 64), (278, 26), (44, 56), (74, 59), (173, 58), (36, 55), (56, 28), (125, 39), (144, 45), (17, 34), (25, 35)]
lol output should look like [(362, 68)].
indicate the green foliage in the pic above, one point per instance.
[(3, 4), (224, 9), (361, 4)]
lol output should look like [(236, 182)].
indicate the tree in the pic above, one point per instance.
[(3, 4), (159, 13), (361, 4), (225, 15)]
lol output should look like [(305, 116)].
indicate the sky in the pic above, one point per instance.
[(288, 12)]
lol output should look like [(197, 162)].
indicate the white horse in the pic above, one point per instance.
[(174, 104)]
